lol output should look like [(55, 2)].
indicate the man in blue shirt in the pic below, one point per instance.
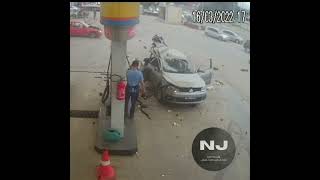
[(134, 80)]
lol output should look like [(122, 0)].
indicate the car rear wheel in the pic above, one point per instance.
[(92, 35)]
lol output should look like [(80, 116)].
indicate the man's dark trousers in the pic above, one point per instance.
[(133, 93)]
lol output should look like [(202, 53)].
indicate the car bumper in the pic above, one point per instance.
[(186, 97)]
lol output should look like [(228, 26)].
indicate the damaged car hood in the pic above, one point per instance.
[(184, 80)]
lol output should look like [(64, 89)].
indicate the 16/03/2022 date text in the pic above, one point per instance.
[(218, 16)]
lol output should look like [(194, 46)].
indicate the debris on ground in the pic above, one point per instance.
[(244, 70), (219, 82), (93, 123), (222, 65), (177, 114), (209, 87), (139, 106), (100, 94), (162, 175), (139, 40), (221, 119), (238, 153), (175, 124), (145, 47), (169, 110), (137, 154), (177, 137), (215, 68)]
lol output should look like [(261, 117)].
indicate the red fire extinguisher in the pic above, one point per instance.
[(121, 90)]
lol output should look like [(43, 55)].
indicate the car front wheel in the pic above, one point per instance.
[(92, 35)]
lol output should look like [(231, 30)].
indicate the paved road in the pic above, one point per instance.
[(230, 101)]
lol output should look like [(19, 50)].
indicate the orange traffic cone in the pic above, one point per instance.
[(105, 171)]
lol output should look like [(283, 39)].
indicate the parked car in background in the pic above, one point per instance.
[(173, 76), (185, 17), (232, 36), (74, 11), (80, 28), (215, 33), (151, 10), (246, 46)]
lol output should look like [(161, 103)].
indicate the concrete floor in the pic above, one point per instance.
[(164, 151)]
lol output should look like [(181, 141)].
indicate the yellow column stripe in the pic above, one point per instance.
[(120, 9)]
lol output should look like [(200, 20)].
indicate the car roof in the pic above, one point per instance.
[(213, 27)]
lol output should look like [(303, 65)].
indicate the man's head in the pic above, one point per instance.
[(135, 63)]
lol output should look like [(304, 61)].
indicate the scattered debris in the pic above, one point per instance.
[(175, 124), (221, 119), (181, 118), (100, 94), (162, 175), (177, 114), (139, 106), (139, 40), (145, 47), (244, 70), (177, 137), (137, 154), (222, 65), (209, 87), (169, 110), (93, 123), (215, 68), (238, 153), (219, 82)]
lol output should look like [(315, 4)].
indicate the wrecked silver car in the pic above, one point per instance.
[(174, 77)]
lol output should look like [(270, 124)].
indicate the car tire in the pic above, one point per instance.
[(92, 35), (237, 41)]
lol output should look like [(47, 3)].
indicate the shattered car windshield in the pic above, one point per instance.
[(174, 65)]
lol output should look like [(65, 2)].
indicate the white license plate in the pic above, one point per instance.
[(189, 98)]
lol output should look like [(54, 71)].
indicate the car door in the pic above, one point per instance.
[(75, 29), (206, 72), (232, 36), (155, 75), (83, 30), (215, 33)]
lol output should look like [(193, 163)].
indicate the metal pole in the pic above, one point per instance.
[(118, 49)]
